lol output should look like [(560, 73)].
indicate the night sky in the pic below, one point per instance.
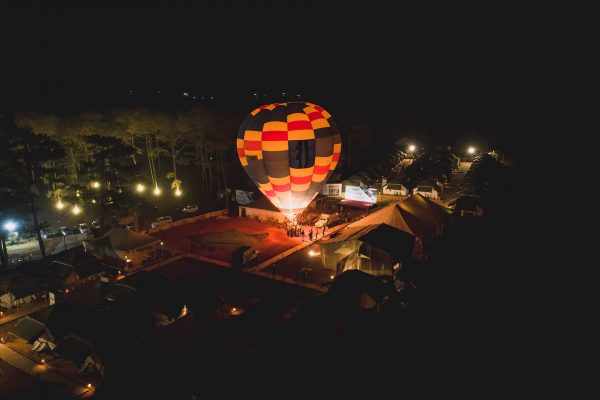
[(450, 71)]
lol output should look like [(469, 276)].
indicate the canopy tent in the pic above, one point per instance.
[(122, 244), (372, 248), (427, 211), (397, 217)]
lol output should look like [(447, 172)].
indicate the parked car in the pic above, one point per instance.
[(161, 221), (326, 220), (128, 227), (45, 233), (65, 231), (190, 209), (84, 228)]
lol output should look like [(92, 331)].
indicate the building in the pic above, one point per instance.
[(74, 267), (262, 210), (430, 188), (469, 206), (153, 290), (332, 190), (376, 249), (17, 290), (395, 189)]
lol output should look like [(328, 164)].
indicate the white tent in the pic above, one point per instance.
[(123, 244)]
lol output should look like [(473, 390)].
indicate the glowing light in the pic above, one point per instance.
[(140, 188), (157, 191), (89, 385), (177, 192), (43, 360), (331, 276), (313, 253), (67, 291), (233, 309), (161, 243), (77, 193), (60, 205), (412, 148), (76, 210), (93, 201), (471, 150), (10, 226), (95, 184)]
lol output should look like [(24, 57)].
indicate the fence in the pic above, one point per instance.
[(184, 221)]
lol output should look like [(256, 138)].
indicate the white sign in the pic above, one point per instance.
[(359, 194)]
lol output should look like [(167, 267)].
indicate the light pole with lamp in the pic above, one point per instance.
[(8, 227)]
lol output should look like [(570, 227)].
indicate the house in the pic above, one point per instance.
[(153, 290), (17, 289), (262, 210), (432, 214), (469, 206), (74, 267), (81, 353), (430, 188), (395, 189), (28, 328)]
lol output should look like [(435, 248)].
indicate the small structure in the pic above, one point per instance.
[(332, 190), (153, 290), (130, 249), (29, 329), (81, 353), (375, 249), (395, 189), (469, 205), (74, 267), (430, 188), (262, 210), (17, 289)]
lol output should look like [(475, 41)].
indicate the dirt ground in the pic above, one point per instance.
[(240, 231)]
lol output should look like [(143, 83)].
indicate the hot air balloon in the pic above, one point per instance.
[(289, 150)]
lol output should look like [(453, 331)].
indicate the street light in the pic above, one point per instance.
[(10, 226), (95, 184), (140, 188), (412, 148), (156, 191), (177, 192), (76, 210), (471, 150), (60, 205)]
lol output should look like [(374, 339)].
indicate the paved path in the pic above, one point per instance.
[(44, 374)]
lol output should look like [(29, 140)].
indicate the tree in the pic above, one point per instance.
[(27, 156)]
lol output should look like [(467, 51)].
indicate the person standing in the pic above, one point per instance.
[(310, 234)]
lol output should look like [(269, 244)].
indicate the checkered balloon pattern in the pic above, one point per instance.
[(289, 150)]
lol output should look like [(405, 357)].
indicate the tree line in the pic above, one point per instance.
[(97, 159)]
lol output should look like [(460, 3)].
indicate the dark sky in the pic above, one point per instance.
[(445, 67)]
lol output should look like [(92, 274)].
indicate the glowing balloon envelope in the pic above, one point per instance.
[(289, 150)]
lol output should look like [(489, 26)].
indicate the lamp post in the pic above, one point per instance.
[(8, 227)]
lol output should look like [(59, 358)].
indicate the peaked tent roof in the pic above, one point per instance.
[(425, 209), (123, 240), (395, 216)]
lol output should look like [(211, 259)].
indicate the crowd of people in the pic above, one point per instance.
[(305, 231)]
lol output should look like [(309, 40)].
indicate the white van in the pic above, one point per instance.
[(161, 221), (326, 220)]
